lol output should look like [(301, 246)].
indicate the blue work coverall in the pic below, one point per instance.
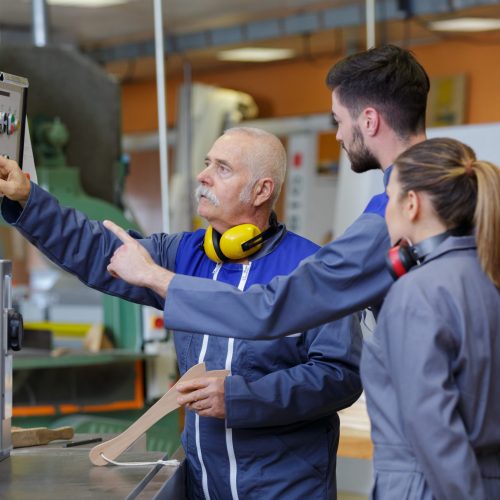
[(280, 435), (346, 275), (431, 374)]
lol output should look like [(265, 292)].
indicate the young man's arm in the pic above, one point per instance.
[(346, 275)]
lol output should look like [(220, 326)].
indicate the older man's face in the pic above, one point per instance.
[(222, 181)]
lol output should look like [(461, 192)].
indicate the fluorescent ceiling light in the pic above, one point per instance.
[(255, 54), (86, 3), (469, 24)]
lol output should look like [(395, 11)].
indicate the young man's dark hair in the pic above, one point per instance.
[(388, 78)]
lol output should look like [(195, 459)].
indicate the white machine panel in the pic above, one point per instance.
[(13, 93), (14, 133)]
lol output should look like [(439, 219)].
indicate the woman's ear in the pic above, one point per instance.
[(412, 206)]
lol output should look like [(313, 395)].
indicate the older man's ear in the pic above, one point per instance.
[(263, 191)]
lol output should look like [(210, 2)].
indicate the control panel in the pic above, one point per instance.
[(13, 98)]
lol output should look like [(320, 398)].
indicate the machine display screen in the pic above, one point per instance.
[(13, 95)]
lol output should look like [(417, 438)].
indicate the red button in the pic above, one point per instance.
[(158, 322)]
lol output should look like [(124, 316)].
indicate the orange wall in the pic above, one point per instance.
[(481, 65), (295, 88), (278, 88)]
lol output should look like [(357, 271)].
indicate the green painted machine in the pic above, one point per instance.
[(77, 154), (122, 319)]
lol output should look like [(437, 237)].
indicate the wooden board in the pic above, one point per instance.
[(39, 435), (114, 447)]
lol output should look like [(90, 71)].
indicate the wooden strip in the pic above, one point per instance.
[(114, 447), (39, 435)]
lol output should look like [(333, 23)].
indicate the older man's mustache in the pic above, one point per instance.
[(202, 190)]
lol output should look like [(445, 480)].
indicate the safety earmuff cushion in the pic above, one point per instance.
[(399, 261), (403, 256), (211, 245), (232, 240), (228, 246)]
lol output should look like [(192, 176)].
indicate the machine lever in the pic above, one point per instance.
[(15, 330)]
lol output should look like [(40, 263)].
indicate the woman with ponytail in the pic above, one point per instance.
[(431, 370)]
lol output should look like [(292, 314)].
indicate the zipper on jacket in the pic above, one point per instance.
[(201, 358), (233, 466)]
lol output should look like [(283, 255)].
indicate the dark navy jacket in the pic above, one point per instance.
[(280, 436)]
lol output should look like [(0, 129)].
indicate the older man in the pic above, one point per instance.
[(269, 430)]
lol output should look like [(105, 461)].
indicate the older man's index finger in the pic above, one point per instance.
[(5, 165), (118, 231)]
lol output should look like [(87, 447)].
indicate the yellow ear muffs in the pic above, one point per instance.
[(230, 245), (208, 244)]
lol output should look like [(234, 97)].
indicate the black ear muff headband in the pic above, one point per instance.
[(265, 235), (403, 256)]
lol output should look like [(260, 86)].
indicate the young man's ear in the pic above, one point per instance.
[(371, 121), (263, 191)]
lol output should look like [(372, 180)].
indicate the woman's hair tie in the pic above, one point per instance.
[(468, 167)]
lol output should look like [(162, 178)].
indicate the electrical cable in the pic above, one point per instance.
[(167, 463)]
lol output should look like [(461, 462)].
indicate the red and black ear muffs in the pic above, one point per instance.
[(403, 256)]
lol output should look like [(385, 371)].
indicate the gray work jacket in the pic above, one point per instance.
[(431, 374)]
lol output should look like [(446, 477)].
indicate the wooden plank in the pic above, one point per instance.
[(114, 447), (39, 435)]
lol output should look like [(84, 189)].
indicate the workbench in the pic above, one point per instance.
[(53, 472)]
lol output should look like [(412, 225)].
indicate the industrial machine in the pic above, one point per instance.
[(13, 92), (77, 149), (78, 159), (11, 333), (5, 384)]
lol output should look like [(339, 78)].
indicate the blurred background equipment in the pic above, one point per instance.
[(76, 141), (11, 333)]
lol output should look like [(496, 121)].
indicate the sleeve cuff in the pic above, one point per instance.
[(12, 211)]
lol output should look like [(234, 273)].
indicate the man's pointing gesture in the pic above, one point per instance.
[(132, 263)]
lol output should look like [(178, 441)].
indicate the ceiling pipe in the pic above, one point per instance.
[(40, 23), (345, 16), (162, 114), (370, 24)]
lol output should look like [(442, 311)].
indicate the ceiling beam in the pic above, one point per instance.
[(293, 25)]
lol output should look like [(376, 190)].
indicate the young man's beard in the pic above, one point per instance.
[(362, 159)]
